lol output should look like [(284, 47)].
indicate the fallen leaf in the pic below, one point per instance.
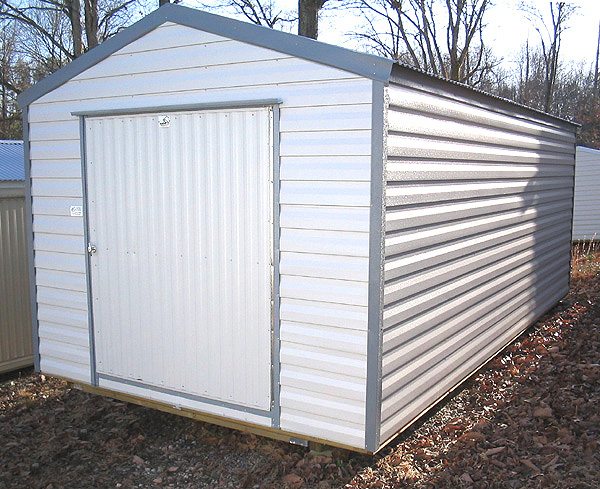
[(530, 464), (494, 451), (472, 435), (138, 460), (466, 478), (543, 412), (292, 480)]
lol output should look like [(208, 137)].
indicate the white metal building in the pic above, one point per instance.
[(586, 204), (15, 320), (310, 242)]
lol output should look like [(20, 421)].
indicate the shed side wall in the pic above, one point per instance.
[(325, 122), (15, 316), (586, 210), (477, 246)]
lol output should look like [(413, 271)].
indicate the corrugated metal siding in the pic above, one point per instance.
[(15, 314), (181, 282), (478, 211), (334, 155), (586, 210)]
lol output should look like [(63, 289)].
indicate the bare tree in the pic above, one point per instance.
[(268, 14), (596, 65), (308, 17), (259, 12), (550, 33), (409, 31), (14, 77), (39, 18), (46, 35)]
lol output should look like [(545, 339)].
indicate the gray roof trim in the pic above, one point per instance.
[(407, 75), (367, 65)]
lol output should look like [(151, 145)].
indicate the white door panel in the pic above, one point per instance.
[(180, 213)]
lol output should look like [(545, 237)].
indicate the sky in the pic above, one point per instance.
[(506, 32)]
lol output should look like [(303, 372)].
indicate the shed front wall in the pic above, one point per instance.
[(15, 316), (586, 209), (477, 237), (325, 147)]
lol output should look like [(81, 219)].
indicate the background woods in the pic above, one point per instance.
[(443, 37)]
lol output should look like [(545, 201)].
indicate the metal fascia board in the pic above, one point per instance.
[(86, 234), (276, 342), (376, 262), (29, 234), (235, 104), (414, 78), (363, 64)]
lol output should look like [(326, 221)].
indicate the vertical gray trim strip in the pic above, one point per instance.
[(573, 203), (86, 234), (276, 367), (376, 256), (29, 235)]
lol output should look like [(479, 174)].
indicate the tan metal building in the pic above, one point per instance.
[(15, 318)]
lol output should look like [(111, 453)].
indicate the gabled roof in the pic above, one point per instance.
[(363, 64), (12, 164)]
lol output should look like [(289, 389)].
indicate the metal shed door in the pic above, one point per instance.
[(179, 210)]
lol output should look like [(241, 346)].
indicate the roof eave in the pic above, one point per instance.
[(410, 74)]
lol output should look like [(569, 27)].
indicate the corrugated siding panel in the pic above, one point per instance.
[(586, 209), (328, 220), (15, 314), (478, 210)]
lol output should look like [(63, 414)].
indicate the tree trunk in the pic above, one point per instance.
[(162, 2), (75, 15), (308, 17), (596, 67), (91, 22)]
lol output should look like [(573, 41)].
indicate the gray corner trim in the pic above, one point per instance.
[(276, 341), (572, 209), (29, 234), (184, 395), (363, 64), (88, 265), (236, 104), (376, 263)]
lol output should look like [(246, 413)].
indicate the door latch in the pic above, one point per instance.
[(91, 249)]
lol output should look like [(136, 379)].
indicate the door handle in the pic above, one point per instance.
[(91, 249)]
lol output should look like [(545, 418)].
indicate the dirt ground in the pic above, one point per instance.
[(530, 418)]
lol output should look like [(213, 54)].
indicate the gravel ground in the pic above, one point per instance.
[(530, 419)]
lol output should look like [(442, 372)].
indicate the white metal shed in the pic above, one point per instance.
[(15, 320), (309, 242), (586, 204)]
